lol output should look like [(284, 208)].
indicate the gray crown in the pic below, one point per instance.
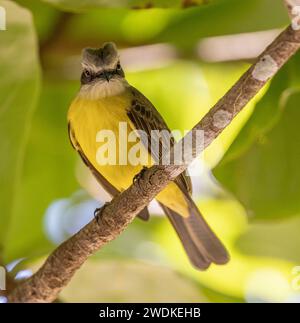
[(103, 56)]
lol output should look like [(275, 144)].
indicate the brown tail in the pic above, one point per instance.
[(200, 243)]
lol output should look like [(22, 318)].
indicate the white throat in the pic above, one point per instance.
[(98, 90)]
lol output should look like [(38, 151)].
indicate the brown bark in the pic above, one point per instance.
[(45, 285)]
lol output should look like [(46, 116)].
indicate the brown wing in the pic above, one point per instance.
[(110, 189), (145, 117)]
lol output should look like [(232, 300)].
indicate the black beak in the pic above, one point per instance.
[(107, 76)]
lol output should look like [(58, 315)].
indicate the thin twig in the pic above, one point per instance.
[(61, 265)]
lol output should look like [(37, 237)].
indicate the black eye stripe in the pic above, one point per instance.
[(88, 76), (102, 74)]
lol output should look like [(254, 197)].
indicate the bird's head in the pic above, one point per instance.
[(102, 69)]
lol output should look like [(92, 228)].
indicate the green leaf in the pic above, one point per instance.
[(225, 17), (49, 172), (279, 239), (261, 167), (120, 25), (183, 28), (19, 89), (74, 5), (45, 17)]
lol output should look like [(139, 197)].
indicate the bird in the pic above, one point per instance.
[(105, 99)]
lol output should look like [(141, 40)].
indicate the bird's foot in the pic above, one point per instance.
[(99, 211), (140, 174)]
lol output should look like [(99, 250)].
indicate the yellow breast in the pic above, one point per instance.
[(88, 118)]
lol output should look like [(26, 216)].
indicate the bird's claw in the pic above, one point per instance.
[(140, 174), (98, 212)]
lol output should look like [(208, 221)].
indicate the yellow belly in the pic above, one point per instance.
[(88, 117)]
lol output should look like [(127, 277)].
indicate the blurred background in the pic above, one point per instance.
[(183, 55)]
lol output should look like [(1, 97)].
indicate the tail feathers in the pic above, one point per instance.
[(200, 243), (195, 255)]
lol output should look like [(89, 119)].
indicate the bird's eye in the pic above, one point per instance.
[(119, 66), (87, 73), (86, 77)]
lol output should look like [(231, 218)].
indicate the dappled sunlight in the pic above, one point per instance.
[(267, 285), (65, 217)]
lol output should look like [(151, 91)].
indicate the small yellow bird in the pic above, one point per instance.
[(104, 101)]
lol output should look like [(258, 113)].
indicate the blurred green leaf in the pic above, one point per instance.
[(279, 239), (225, 17), (44, 16), (19, 89), (74, 5), (184, 28), (120, 25), (261, 167), (129, 281), (48, 172)]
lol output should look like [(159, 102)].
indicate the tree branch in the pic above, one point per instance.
[(61, 265)]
